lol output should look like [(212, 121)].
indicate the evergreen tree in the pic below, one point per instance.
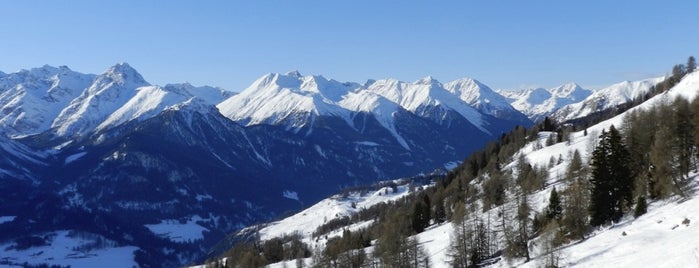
[(439, 211), (612, 182), (678, 71), (421, 214), (641, 207), (575, 168), (691, 64), (554, 211)]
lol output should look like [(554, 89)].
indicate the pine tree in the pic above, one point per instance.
[(612, 182), (421, 214), (554, 210), (691, 64)]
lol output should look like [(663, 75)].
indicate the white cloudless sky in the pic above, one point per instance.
[(505, 44)]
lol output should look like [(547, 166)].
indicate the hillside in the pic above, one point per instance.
[(662, 237), (111, 161)]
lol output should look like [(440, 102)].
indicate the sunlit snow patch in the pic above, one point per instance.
[(4, 219), (68, 248), (177, 231), (74, 157), (291, 195)]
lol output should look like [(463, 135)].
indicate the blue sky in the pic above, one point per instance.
[(505, 44)]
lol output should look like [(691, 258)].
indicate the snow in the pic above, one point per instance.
[(276, 99), (660, 238), (177, 231), (31, 99), (367, 143), (481, 96), (74, 157), (4, 219), (75, 104), (539, 102), (107, 93), (290, 195), (606, 98), (294, 101), (308, 220), (62, 251), (656, 239)]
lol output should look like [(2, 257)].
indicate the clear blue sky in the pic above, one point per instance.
[(505, 44)]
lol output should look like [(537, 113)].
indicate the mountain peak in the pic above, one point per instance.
[(123, 72), (572, 91), (294, 73), (427, 80)]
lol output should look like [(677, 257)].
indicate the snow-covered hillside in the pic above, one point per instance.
[(606, 98), (663, 237)]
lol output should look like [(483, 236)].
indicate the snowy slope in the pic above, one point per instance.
[(382, 109), (484, 99), (277, 98), (74, 104), (67, 248), (650, 239), (423, 96), (656, 239), (606, 98), (108, 93), (539, 103), (294, 101), (211, 95), (151, 100), (31, 99)]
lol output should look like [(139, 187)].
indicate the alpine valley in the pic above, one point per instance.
[(109, 170), (111, 164)]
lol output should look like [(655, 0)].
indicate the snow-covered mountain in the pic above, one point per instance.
[(112, 158), (663, 237), (75, 104), (108, 92), (606, 98), (295, 101), (485, 99), (538, 103), (287, 99), (31, 99)]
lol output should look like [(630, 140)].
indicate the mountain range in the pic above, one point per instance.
[(139, 161), (659, 236)]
